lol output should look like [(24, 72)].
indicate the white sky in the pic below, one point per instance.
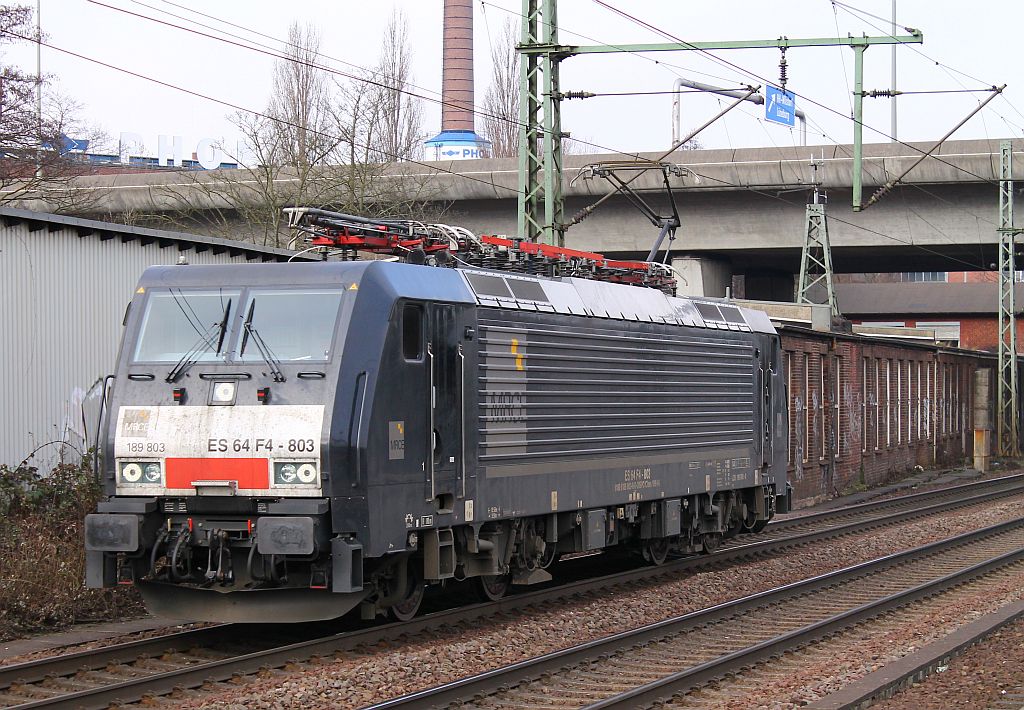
[(978, 39)]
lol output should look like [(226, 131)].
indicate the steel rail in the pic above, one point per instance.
[(68, 663), (698, 675), (740, 548), (894, 502), (136, 688), (467, 690)]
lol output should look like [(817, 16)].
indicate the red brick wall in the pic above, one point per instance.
[(973, 277), (976, 332), (981, 332), (912, 408)]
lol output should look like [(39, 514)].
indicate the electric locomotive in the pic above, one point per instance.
[(287, 442)]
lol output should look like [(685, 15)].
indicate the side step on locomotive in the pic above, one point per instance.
[(287, 442)]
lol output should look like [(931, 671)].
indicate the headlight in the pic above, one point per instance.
[(141, 473), (131, 472), (222, 393), (306, 473), (152, 473), (295, 473), (287, 473)]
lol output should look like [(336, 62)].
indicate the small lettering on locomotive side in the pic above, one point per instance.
[(637, 474), (505, 407), (146, 447), (637, 479), (396, 441), (135, 423)]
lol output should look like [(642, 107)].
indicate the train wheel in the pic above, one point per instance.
[(750, 522), (711, 542), (407, 608), (493, 586), (758, 526), (656, 550)]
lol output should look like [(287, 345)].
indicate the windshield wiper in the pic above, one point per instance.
[(205, 342), (261, 345), (223, 327)]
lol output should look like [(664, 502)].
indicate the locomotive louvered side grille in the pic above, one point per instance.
[(551, 391)]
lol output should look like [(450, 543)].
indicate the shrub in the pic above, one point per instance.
[(42, 553)]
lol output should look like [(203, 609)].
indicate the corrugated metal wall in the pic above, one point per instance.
[(62, 299)]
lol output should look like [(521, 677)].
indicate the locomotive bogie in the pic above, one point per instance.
[(451, 425)]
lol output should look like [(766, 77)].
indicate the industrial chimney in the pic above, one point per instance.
[(458, 139)]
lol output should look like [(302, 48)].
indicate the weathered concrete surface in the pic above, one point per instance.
[(745, 206), (702, 276)]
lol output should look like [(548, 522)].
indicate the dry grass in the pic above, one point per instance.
[(42, 558)]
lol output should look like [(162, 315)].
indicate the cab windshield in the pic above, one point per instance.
[(179, 322), (292, 325)]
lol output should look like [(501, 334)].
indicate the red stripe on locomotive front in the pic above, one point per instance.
[(249, 473)]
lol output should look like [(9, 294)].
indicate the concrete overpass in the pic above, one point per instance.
[(742, 207)]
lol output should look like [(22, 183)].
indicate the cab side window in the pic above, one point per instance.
[(412, 331)]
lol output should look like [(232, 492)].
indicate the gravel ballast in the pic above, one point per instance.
[(392, 669), (987, 675), (815, 671)]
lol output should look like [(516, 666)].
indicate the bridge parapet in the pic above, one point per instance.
[(956, 162)]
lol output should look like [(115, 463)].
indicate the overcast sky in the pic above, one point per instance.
[(974, 45)]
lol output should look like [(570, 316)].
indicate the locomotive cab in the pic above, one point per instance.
[(218, 465)]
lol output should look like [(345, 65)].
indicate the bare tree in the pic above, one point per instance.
[(20, 123), (36, 155), (501, 102), (298, 130), (398, 115), (319, 143), (42, 180)]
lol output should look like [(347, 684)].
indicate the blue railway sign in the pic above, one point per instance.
[(779, 106)]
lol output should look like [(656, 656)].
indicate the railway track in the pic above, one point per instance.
[(657, 663), (131, 671)]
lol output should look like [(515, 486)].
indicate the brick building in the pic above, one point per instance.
[(863, 410)]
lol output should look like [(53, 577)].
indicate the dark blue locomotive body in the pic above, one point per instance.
[(289, 441)]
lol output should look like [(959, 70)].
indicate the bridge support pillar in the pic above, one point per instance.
[(702, 276)]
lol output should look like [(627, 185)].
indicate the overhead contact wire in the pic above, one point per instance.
[(258, 114), (647, 25), (243, 43), (436, 169)]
